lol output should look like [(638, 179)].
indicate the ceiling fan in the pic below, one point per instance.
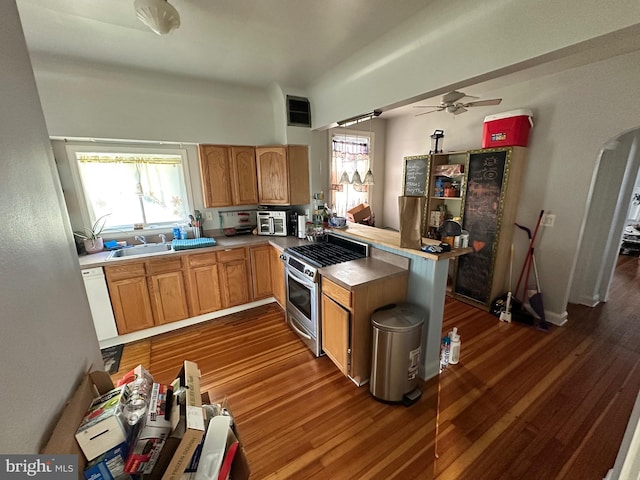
[(450, 102)]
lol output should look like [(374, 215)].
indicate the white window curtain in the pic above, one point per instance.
[(133, 189), (350, 153)]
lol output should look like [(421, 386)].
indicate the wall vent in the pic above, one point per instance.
[(298, 112)]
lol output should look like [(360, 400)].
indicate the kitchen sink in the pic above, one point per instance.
[(138, 250)]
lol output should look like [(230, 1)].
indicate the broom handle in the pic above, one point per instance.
[(527, 261)]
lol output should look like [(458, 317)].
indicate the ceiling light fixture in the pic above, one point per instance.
[(353, 120), (159, 15)]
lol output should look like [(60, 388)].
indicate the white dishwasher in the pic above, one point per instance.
[(100, 303)]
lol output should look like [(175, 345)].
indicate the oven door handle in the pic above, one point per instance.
[(300, 278), (298, 331)]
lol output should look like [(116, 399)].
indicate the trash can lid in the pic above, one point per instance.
[(401, 317)]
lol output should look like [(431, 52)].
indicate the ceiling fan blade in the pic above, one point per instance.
[(452, 97), (428, 106), (484, 103), (430, 111)]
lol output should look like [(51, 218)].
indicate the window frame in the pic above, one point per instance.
[(350, 132), (126, 148)]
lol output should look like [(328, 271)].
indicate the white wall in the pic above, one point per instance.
[(453, 43), (85, 100), (576, 112), (48, 339)]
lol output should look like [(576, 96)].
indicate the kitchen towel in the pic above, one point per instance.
[(192, 243)]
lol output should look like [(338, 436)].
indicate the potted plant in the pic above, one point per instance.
[(91, 238)]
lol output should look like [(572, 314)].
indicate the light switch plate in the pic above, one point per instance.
[(548, 220)]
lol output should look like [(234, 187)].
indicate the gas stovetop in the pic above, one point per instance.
[(335, 250)]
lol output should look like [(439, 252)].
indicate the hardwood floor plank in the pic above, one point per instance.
[(521, 404)]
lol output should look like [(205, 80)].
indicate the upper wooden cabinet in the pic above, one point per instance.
[(283, 175), (228, 175)]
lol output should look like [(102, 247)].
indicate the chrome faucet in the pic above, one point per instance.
[(141, 238), (163, 238)]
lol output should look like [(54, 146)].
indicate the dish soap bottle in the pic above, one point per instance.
[(454, 357)]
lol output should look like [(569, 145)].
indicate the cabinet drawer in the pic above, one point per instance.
[(155, 267), (201, 259), (336, 292), (231, 255), (122, 272)]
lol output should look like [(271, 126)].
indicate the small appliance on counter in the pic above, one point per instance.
[(239, 222), (273, 222)]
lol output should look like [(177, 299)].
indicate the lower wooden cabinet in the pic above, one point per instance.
[(204, 283), (234, 277), (346, 321), (335, 333), (131, 304), (163, 290), (261, 271), (277, 277)]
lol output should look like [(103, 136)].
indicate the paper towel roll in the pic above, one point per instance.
[(302, 226)]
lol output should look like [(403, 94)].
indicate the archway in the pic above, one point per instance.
[(612, 186)]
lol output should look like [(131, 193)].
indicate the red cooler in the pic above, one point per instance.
[(507, 129)]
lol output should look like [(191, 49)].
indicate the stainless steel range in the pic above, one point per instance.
[(303, 283)]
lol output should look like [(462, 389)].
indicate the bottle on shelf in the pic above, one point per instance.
[(454, 356)]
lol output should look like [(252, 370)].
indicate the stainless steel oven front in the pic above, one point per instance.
[(303, 302)]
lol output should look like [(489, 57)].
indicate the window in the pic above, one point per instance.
[(351, 152), (136, 186)]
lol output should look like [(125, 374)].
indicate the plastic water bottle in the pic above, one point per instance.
[(138, 402), (444, 353), (455, 346), (183, 232)]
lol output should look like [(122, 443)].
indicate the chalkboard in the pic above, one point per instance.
[(415, 176), (482, 214)]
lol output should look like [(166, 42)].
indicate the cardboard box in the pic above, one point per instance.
[(94, 384), (449, 170), (103, 426), (358, 213), (109, 465), (188, 426)]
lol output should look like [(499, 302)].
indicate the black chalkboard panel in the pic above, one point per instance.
[(415, 176), (481, 217)]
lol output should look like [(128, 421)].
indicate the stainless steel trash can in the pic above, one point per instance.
[(395, 352)]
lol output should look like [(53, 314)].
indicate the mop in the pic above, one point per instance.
[(505, 315)]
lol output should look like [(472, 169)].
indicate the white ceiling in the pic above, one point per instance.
[(246, 42)]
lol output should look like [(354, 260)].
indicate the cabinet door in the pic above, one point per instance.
[(273, 175), (204, 289), (261, 271), (335, 333), (131, 305), (244, 181), (234, 277), (277, 277), (215, 173), (169, 297)]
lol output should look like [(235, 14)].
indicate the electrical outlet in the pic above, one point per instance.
[(208, 216), (548, 220)]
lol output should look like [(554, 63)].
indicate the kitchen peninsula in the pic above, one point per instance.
[(426, 286)]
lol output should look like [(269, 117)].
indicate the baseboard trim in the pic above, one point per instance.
[(150, 332)]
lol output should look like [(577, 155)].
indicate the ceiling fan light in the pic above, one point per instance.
[(159, 15)]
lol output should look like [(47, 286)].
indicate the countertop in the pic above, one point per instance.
[(391, 239), (356, 273), (101, 259)]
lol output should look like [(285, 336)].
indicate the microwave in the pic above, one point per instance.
[(273, 222)]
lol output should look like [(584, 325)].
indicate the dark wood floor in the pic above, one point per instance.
[(521, 404)]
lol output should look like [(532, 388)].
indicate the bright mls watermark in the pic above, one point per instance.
[(50, 467)]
